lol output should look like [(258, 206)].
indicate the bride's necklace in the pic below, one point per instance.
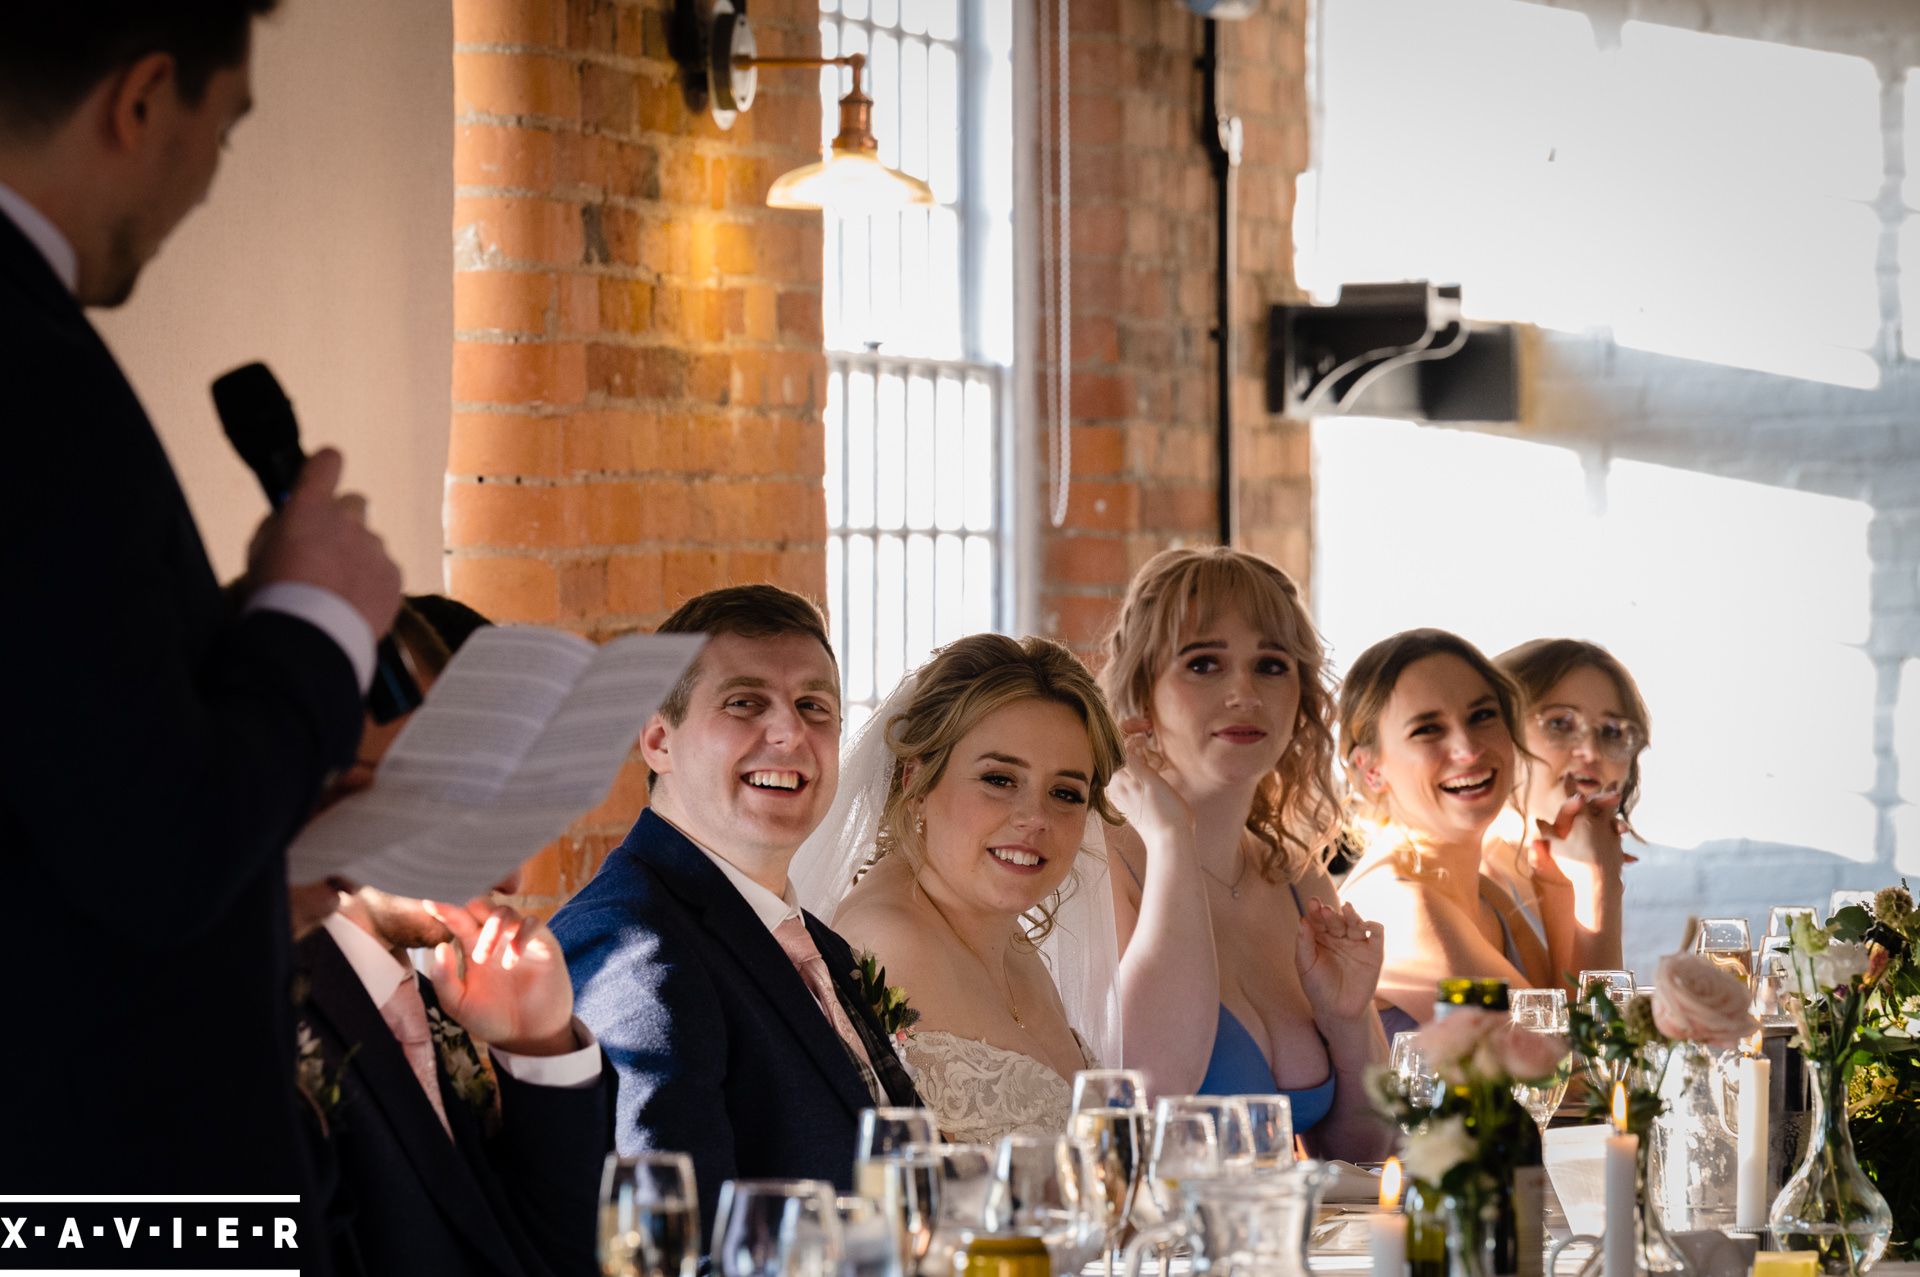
[(1013, 1007)]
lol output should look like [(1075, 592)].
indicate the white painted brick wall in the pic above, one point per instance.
[(1433, 108)]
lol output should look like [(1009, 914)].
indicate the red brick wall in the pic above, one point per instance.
[(1141, 365), (637, 368)]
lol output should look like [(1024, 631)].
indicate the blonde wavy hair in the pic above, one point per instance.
[(1364, 694), (966, 681), (1296, 811)]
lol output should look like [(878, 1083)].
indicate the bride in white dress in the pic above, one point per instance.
[(959, 845)]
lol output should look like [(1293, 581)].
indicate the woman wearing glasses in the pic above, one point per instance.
[(1584, 723)]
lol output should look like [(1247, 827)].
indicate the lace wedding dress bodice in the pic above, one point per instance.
[(979, 1092)]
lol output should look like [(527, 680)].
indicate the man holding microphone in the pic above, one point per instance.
[(161, 747)]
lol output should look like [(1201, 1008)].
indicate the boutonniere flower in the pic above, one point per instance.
[(465, 1062), (318, 1083), (887, 1001)]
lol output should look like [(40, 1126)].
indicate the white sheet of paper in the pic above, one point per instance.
[(1576, 1163), (522, 734)]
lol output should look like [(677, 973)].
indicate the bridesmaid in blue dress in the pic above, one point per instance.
[(1428, 727), (1240, 973)]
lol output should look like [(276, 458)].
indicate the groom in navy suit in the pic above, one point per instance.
[(732, 1017)]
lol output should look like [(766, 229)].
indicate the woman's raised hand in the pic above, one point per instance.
[(1338, 954), (1585, 831), (1141, 789)]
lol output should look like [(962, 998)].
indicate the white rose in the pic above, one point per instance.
[(1838, 965), (1437, 1148)]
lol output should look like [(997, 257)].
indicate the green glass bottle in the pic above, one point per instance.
[(1426, 1231), (1488, 995)]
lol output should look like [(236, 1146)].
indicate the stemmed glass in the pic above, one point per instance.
[(1269, 1131), (1186, 1145), (1542, 1011), (1036, 1189), (1419, 1080), (1107, 1128), (649, 1216), (885, 1133), (1602, 1074), (776, 1228), (1780, 918), (1727, 943), (1841, 899), (867, 1246)]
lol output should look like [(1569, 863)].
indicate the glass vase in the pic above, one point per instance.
[(1471, 1223), (1655, 1252), (1830, 1207)]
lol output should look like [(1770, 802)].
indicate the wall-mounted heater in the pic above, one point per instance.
[(1391, 350)]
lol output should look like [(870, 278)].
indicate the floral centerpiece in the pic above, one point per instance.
[(1695, 1006), (1852, 991), (1467, 1148), (1883, 1090)]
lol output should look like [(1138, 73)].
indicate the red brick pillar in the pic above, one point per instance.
[(637, 376), (1142, 387)]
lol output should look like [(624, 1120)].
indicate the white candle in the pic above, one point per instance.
[(1387, 1236), (1622, 1151), (1756, 1081)]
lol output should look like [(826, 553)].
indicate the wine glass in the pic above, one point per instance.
[(1773, 980), (1542, 1011), (1107, 1128), (906, 1184), (1842, 899), (883, 1133), (649, 1216), (1186, 1145), (1269, 1131), (1780, 918), (867, 1245), (1619, 985), (1727, 944), (776, 1228), (1419, 1080), (1036, 1189)]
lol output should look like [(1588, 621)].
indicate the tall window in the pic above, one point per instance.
[(919, 330)]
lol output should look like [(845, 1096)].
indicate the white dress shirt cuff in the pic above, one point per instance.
[(576, 1069), (327, 612)]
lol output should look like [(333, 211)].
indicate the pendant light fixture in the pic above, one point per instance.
[(720, 68)]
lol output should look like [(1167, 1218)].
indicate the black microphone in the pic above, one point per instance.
[(259, 421)]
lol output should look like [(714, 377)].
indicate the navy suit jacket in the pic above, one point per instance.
[(721, 1051), (521, 1202), (156, 756)]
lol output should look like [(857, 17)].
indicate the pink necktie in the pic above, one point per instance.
[(406, 1014), (805, 957)]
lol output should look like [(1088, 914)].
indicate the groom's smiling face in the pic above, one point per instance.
[(753, 766)]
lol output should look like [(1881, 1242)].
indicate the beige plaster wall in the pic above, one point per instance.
[(323, 249)]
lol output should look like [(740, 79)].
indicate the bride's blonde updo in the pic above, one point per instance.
[(966, 681), (1296, 812)]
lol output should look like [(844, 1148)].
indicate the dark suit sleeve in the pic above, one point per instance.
[(659, 1019), (548, 1155), (156, 754)]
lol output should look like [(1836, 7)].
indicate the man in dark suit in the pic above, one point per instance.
[(731, 1015), (160, 748), (445, 1165)]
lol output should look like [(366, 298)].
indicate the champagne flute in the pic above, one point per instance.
[(1726, 943), (649, 1216), (776, 1228), (1542, 1011), (1108, 1116), (1269, 1131)]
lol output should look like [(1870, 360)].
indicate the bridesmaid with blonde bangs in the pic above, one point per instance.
[(1240, 971)]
